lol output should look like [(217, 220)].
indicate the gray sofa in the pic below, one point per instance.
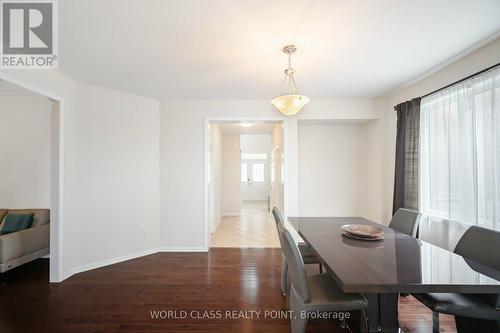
[(24, 246)]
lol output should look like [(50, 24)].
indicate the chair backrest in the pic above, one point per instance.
[(406, 221), (481, 245), (280, 225), (296, 269)]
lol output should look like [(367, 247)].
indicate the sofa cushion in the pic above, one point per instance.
[(40, 216), (16, 222)]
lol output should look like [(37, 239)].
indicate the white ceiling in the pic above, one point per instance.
[(231, 49)]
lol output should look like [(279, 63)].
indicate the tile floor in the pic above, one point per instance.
[(253, 228)]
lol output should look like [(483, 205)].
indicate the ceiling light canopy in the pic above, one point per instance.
[(292, 102)]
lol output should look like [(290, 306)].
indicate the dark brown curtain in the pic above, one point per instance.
[(407, 155)]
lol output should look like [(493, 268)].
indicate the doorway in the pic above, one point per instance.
[(26, 106), (255, 152), (254, 180), (242, 182)]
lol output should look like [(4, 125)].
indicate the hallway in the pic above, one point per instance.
[(253, 228)]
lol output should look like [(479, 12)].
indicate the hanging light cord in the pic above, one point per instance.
[(292, 85)]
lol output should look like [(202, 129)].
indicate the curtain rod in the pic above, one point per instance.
[(465, 78)]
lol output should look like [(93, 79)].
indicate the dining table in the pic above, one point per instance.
[(397, 264)]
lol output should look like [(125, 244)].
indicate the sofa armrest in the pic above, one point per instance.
[(21, 243)]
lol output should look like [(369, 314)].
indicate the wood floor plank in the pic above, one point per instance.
[(119, 298)]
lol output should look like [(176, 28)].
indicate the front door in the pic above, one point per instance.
[(253, 180)]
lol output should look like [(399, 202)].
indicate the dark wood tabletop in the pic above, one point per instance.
[(397, 264)]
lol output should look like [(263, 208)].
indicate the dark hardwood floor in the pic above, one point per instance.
[(120, 298)]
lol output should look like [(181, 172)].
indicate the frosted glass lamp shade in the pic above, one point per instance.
[(290, 104)]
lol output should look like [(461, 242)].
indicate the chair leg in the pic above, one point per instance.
[(297, 321), (298, 324), (320, 268), (435, 322), (284, 273), (366, 323)]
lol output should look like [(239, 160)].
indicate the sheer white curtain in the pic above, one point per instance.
[(460, 152)]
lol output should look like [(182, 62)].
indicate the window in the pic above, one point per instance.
[(460, 151), (258, 172)]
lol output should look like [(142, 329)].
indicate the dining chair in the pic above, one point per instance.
[(305, 250), (317, 292), (406, 221), (481, 246)]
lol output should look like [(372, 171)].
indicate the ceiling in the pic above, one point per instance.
[(231, 49), (238, 128)]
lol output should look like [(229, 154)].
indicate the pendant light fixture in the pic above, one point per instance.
[(292, 102)]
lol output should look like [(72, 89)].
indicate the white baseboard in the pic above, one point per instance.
[(216, 225), (107, 262), (182, 249), (130, 256)]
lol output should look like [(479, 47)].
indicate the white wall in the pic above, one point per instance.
[(107, 123), (118, 174), (330, 165), (255, 143), (278, 190), (58, 86), (101, 124), (122, 125), (25, 151), (372, 171), (182, 177), (110, 168), (339, 169), (231, 175), (216, 176), (480, 59)]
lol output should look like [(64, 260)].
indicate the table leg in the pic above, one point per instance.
[(383, 312), (383, 317), (389, 312)]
